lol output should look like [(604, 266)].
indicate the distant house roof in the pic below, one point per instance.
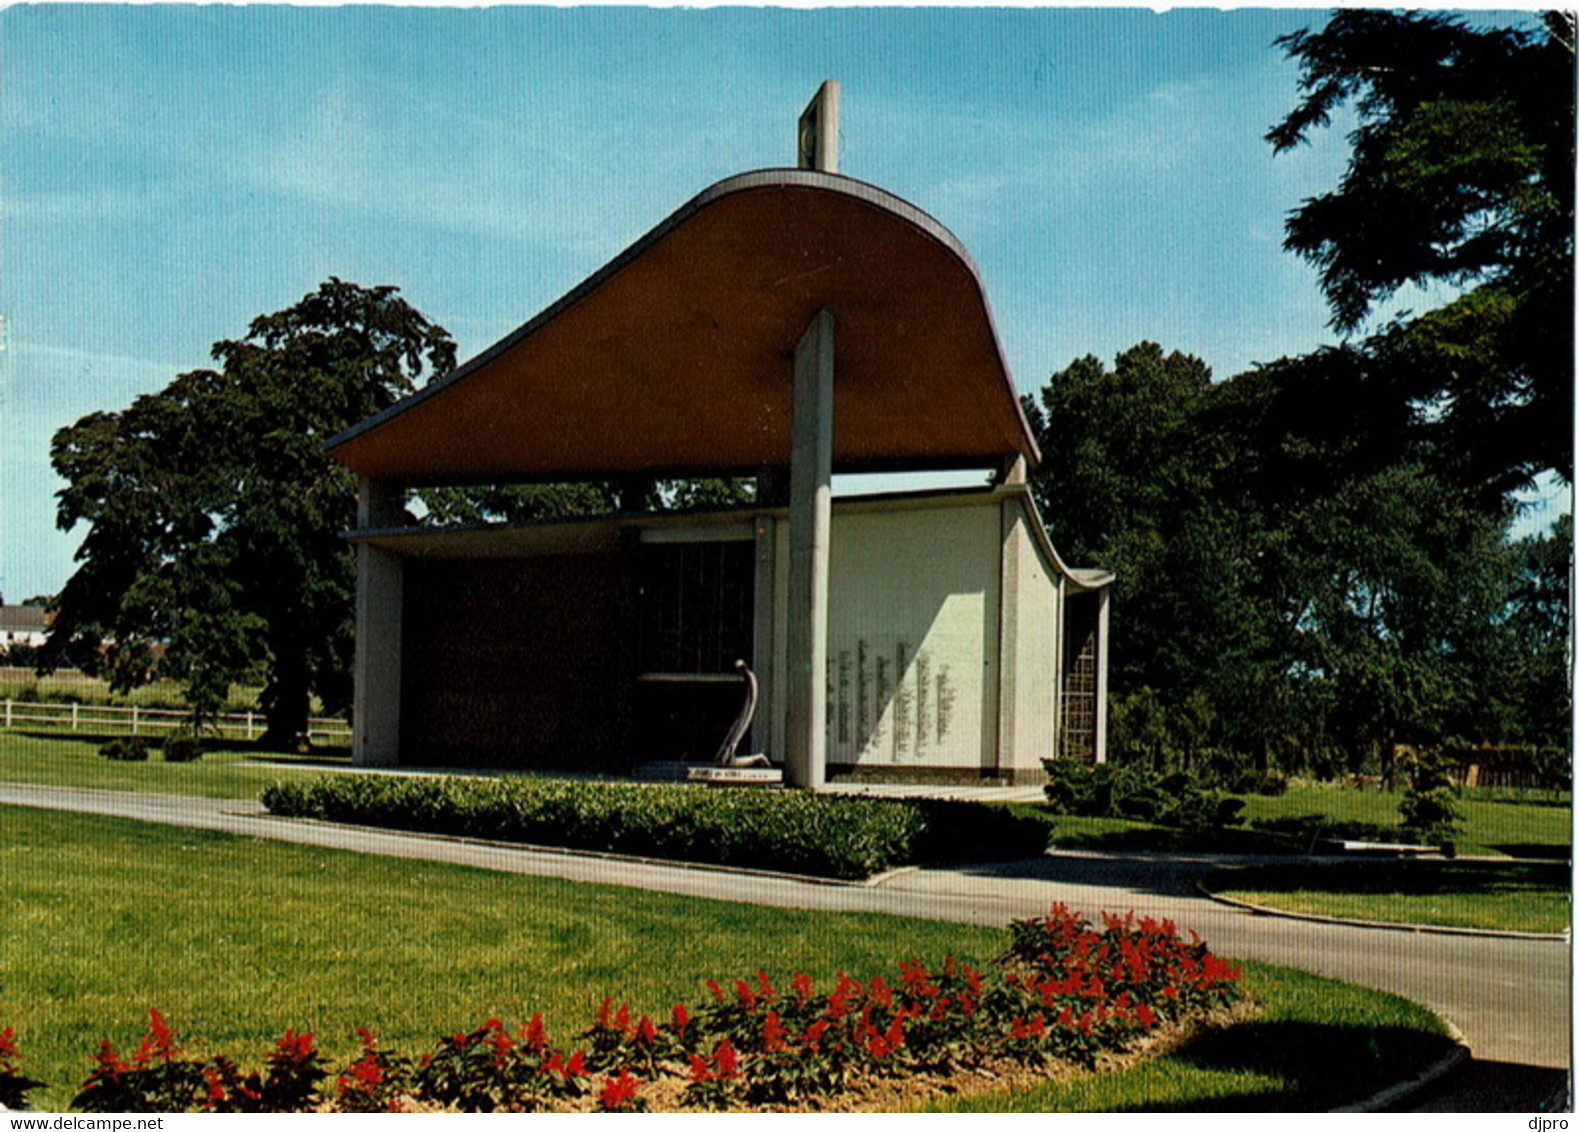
[(675, 358), (23, 619)]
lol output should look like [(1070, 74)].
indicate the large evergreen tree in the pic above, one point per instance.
[(1461, 172)]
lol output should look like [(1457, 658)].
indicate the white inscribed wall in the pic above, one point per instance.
[(910, 636)]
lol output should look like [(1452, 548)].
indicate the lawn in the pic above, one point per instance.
[(237, 939), (1501, 828), (72, 686), (1526, 829), (1530, 896), (1318, 1044), (1513, 829), (52, 760)]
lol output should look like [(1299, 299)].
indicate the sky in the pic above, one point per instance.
[(169, 173)]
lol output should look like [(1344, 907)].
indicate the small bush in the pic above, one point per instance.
[(1136, 793), (130, 750), (182, 749), (790, 831), (1428, 812)]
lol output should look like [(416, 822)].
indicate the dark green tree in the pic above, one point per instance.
[(214, 550), (1460, 173), (1127, 483)]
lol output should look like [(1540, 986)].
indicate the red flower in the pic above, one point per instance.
[(646, 1032), (916, 980), (774, 1034), (699, 1071), (1146, 1016), (764, 987), (7, 1044), (803, 987), (535, 1035), (216, 1088), (292, 1048), (575, 1067), (747, 996), (839, 1002), (1035, 1028), (109, 1065), (499, 1040), (717, 991), (367, 1071), (726, 1062), (158, 1042), (618, 1092), (682, 1018)]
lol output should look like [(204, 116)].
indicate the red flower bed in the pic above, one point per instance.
[(1064, 990)]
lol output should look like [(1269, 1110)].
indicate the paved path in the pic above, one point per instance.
[(1512, 998)]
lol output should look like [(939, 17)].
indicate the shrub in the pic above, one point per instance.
[(1428, 812), (1137, 793), (182, 749), (130, 750), (785, 830)]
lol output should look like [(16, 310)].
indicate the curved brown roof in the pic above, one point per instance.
[(675, 358)]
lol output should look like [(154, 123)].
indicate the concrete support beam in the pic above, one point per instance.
[(1003, 700), (762, 644), (811, 477), (1102, 621), (1012, 470), (375, 711)]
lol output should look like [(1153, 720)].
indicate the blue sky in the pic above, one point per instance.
[(168, 173)]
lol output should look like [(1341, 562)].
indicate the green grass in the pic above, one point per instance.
[(74, 761), (237, 940), (1318, 1044), (67, 686), (1492, 828), (1530, 896)]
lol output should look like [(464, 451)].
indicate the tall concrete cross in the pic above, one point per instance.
[(810, 518)]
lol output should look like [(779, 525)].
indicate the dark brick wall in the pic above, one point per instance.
[(519, 662)]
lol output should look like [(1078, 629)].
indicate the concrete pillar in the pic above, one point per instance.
[(375, 711), (1102, 612), (811, 477), (762, 644), (1004, 698)]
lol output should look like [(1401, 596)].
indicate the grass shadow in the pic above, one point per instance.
[(1321, 1065), (1401, 877), (1528, 851)]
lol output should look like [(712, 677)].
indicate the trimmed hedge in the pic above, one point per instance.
[(790, 831)]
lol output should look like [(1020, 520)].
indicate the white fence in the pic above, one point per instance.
[(104, 718)]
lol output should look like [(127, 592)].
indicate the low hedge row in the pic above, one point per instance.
[(790, 831)]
